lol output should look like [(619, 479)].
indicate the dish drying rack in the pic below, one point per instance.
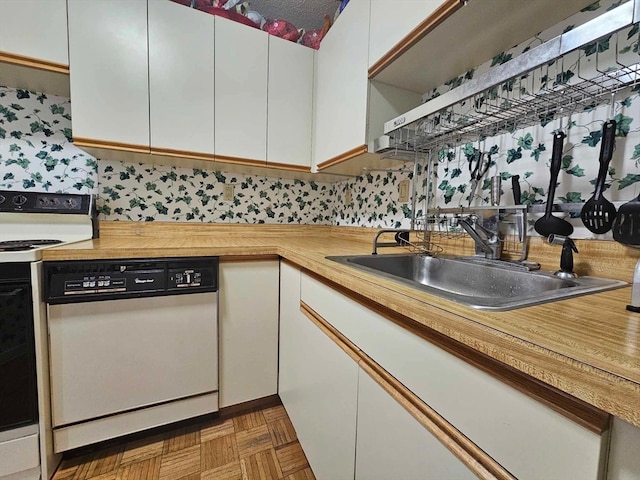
[(531, 88), (569, 73)]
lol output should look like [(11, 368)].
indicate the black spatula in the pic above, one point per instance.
[(626, 226), (598, 213), (549, 224)]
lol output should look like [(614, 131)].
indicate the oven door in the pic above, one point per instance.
[(18, 392), (109, 357)]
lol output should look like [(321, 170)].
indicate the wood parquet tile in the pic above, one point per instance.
[(263, 465), (259, 445), (248, 421), (291, 458), (253, 440), (219, 452)]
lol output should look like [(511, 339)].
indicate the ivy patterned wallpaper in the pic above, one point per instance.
[(36, 153), (144, 192)]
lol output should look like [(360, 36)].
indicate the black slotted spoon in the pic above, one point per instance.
[(598, 213)]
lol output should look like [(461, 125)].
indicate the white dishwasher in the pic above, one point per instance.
[(133, 345)]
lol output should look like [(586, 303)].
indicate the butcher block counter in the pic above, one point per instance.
[(587, 347)]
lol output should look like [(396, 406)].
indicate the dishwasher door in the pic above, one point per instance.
[(116, 356)]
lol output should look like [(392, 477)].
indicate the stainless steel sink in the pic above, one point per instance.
[(486, 287)]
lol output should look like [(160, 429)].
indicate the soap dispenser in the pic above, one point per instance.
[(566, 257)]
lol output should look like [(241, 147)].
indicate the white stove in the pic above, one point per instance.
[(33, 221), (29, 223)]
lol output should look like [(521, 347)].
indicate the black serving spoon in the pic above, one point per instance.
[(598, 213), (548, 224)]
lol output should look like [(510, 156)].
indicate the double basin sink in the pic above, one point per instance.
[(477, 285)]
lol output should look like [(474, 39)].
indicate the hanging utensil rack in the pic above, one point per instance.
[(532, 89)]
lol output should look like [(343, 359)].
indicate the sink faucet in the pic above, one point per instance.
[(486, 240), (401, 238)]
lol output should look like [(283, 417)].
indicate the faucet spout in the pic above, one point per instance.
[(401, 238), (486, 240)]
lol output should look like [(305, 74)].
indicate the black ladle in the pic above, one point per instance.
[(598, 213), (548, 224)]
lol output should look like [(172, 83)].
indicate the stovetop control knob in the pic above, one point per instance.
[(70, 203), (2, 199), (19, 200)]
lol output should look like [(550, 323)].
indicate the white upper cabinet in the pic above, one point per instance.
[(109, 73), (290, 100), (241, 64), (342, 85), (36, 29), (389, 25), (181, 78)]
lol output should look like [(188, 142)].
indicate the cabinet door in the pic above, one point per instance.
[(181, 77), (341, 85), (290, 103), (108, 71), (624, 461), (248, 330), (516, 430), (241, 61), (318, 387), (390, 25), (392, 444), (36, 29)]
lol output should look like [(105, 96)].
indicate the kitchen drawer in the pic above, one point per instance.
[(528, 438)]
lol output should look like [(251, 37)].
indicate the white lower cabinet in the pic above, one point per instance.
[(248, 330), (529, 439), (624, 455), (318, 387), (391, 444)]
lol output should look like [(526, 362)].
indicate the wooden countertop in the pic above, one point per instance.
[(588, 347)]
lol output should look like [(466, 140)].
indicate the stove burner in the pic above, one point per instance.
[(19, 245)]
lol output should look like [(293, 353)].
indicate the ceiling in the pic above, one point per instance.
[(307, 14)]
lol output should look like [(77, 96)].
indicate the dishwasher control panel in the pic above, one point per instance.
[(80, 281), (186, 278)]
